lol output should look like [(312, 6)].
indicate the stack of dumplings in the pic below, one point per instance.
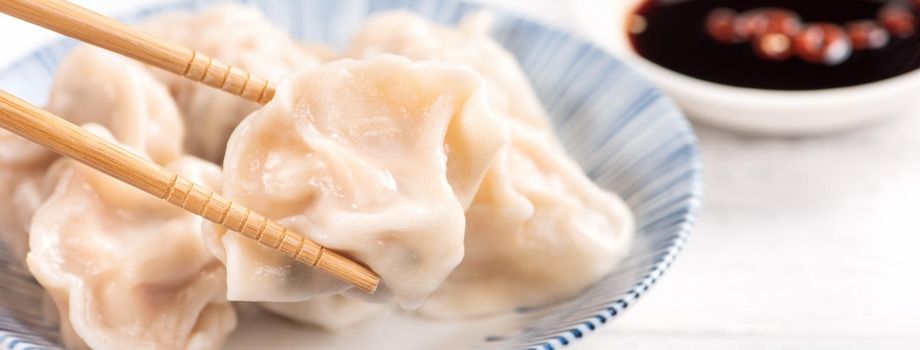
[(421, 151)]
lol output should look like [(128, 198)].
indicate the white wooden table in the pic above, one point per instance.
[(803, 243)]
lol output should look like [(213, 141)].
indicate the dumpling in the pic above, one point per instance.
[(239, 36), (376, 159), (539, 229), (407, 34), (125, 269), (22, 188), (93, 85)]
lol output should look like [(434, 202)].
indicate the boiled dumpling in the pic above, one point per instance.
[(361, 157), (539, 229), (236, 35), (93, 85), (125, 269), (239, 36), (22, 188)]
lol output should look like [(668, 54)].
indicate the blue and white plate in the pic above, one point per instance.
[(627, 136)]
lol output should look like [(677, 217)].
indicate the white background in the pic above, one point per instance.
[(803, 243)]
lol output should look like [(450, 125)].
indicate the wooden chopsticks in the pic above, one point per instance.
[(90, 27), (72, 141)]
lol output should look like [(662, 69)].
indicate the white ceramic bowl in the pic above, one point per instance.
[(624, 133), (769, 112)]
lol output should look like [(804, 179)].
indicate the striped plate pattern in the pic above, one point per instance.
[(626, 135)]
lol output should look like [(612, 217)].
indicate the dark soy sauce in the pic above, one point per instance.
[(675, 38)]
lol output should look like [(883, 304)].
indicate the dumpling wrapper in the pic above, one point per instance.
[(539, 230), (375, 159), (241, 37), (125, 269)]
